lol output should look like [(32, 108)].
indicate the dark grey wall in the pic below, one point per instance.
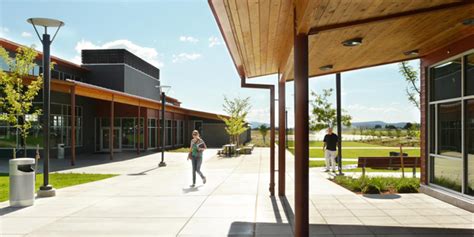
[(108, 76), (140, 84)]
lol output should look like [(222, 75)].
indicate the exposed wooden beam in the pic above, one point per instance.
[(318, 29)]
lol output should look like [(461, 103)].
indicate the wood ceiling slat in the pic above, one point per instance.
[(255, 32), (237, 29), (243, 12), (265, 26), (285, 35), (275, 9)]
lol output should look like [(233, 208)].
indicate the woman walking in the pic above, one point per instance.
[(195, 154)]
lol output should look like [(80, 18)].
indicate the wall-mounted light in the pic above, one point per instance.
[(326, 67), (468, 22), (411, 52), (352, 42)]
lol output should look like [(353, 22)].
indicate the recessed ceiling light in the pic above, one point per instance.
[(468, 22), (326, 67), (411, 52), (352, 42)]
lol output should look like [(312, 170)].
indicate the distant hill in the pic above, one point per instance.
[(371, 124), (257, 124)]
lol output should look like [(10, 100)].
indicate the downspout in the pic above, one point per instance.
[(244, 84)]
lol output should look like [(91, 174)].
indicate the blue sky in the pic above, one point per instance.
[(183, 40)]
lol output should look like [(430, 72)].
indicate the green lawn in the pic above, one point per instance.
[(58, 180), (355, 153), (182, 149), (344, 144)]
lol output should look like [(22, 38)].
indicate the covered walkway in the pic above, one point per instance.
[(149, 201)]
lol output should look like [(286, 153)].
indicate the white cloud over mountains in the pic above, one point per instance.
[(146, 53)]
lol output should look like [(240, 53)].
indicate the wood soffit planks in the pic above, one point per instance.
[(259, 33)]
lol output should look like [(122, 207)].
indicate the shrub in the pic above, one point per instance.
[(371, 188), (406, 187), (376, 185)]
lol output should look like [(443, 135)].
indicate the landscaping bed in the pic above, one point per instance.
[(58, 180), (378, 185)]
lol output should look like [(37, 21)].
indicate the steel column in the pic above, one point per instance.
[(46, 110), (163, 134), (301, 135), (339, 121), (73, 125), (281, 137)]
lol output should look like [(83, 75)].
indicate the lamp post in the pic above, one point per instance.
[(163, 135), (46, 190)]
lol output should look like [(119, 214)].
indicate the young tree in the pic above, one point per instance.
[(263, 131), (237, 110), (411, 77), (323, 115), (17, 94)]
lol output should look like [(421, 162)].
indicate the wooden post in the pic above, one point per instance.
[(401, 161), (281, 136), (73, 125), (301, 135), (112, 126), (272, 141)]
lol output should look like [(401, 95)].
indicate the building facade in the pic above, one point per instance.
[(447, 99), (116, 105)]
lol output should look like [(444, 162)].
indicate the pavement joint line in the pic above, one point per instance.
[(202, 203), (258, 193)]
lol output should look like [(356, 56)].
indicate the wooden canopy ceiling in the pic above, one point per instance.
[(259, 33)]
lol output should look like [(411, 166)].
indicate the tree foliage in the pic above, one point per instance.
[(16, 102), (237, 109), (413, 88), (323, 114), (263, 129)]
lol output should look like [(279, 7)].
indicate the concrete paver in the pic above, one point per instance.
[(149, 201)]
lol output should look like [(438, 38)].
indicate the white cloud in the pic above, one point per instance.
[(4, 30), (214, 41), (146, 53), (26, 34), (189, 39), (183, 57)]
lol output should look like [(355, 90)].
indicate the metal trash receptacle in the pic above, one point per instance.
[(60, 151), (22, 182)]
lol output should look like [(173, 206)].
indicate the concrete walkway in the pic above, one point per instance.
[(150, 201)]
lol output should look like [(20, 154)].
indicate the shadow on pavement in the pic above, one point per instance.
[(191, 189), (8, 210), (83, 160), (240, 228)]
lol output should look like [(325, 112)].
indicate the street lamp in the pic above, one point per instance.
[(46, 190), (163, 89)]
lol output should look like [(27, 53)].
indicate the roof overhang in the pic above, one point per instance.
[(259, 33)]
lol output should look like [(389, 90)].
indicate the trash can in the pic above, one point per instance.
[(60, 151), (22, 182)]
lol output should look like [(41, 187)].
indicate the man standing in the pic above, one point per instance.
[(329, 149)]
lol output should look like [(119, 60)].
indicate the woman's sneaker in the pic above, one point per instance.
[(192, 185), (204, 180)]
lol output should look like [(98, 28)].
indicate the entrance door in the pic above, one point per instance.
[(105, 139)]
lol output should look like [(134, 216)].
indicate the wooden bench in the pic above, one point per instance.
[(390, 162)]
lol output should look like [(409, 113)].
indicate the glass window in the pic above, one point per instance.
[(469, 140), (469, 62), (449, 129), (128, 133), (445, 80), (447, 172), (432, 129)]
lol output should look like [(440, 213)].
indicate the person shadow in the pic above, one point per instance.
[(191, 189)]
